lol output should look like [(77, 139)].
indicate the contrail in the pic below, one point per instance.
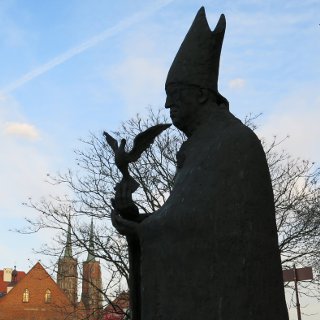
[(122, 25)]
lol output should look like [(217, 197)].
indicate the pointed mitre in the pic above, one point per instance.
[(197, 61)]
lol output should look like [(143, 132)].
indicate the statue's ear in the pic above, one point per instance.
[(203, 95)]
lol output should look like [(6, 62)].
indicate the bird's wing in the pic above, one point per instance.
[(112, 142), (144, 139)]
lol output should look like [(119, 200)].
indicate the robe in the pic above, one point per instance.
[(211, 251)]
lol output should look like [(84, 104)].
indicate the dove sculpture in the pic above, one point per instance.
[(141, 143)]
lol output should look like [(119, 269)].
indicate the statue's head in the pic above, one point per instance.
[(190, 104), (192, 80), (184, 100)]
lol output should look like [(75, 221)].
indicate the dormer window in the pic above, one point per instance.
[(26, 295), (47, 296)]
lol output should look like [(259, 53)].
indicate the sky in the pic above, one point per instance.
[(72, 67)]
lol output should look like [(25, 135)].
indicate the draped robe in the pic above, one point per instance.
[(211, 251)]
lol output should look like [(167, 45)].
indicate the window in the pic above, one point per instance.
[(26, 295), (47, 296)]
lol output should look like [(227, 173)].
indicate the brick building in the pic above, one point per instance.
[(8, 278), (36, 296), (67, 275), (91, 283)]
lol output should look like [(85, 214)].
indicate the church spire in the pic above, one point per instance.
[(91, 244), (68, 248), (67, 274), (91, 281)]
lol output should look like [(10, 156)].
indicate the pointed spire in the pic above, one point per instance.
[(68, 249), (91, 244)]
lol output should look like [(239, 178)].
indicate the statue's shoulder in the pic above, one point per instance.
[(236, 134), (240, 128)]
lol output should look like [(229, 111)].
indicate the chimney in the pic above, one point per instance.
[(7, 274)]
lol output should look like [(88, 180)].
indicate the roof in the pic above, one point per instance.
[(39, 279), (4, 284), (115, 309)]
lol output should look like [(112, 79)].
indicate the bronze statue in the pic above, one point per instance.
[(211, 251), (128, 210)]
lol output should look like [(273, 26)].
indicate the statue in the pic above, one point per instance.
[(211, 251), (127, 209)]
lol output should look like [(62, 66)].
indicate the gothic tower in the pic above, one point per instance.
[(91, 282), (67, 277)]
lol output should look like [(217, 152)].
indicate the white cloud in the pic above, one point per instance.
[(23, 170), (23, 165), (297, 116), (24, 130), (237, 83)]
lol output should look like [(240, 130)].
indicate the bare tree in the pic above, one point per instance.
[(296, 189), (295, 184), (91, 186)]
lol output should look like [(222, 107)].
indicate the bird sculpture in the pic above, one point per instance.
[(140, 143)]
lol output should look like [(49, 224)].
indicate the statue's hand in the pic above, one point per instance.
[(125, 216), (124, 226), (123, 203)]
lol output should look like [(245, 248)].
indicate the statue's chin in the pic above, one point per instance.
[(177, 125), (181, 125), (176, 122)]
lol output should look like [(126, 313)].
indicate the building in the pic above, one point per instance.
[(91, 283), (8, 278), (36, 296), (67, 275), (118, 308)]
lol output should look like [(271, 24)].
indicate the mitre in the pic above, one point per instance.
[(198, 58)]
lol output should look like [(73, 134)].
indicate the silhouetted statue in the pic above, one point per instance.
[(211, 251), (127, 208)]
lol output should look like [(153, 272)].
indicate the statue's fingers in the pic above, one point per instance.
[(116, 220), (119, 223)]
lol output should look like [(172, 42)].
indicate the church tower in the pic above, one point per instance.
[(91, 282), (67, 277)]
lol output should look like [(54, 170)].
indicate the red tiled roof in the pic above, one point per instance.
[(4, 284)]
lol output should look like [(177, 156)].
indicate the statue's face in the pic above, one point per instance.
[(182, 102)]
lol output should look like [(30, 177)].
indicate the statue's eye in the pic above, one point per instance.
[(174, 94)]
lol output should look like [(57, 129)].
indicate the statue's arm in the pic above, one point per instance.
[(126, 219), (125, 215)]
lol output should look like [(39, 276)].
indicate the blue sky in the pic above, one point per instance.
[(71, 67)]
